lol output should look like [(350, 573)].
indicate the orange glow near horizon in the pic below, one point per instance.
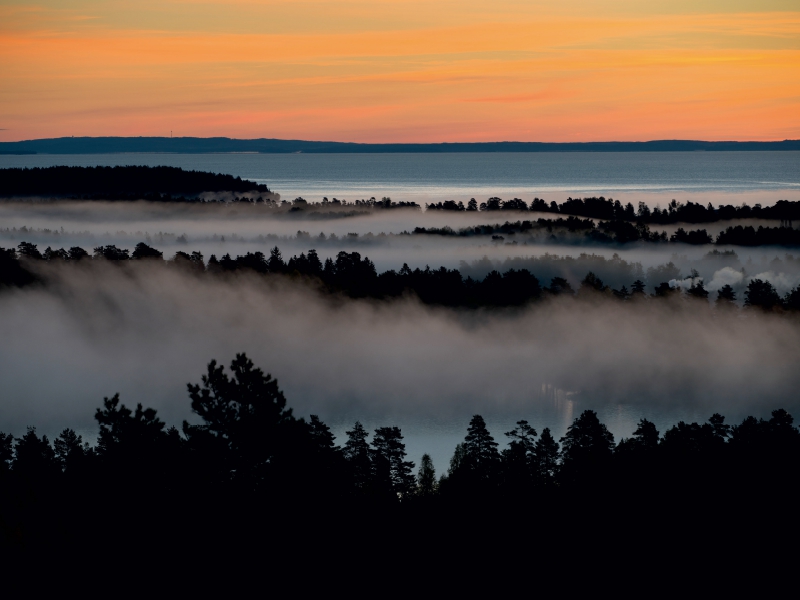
[(401, 70)]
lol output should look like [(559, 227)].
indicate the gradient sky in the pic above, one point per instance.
[(401, 70)]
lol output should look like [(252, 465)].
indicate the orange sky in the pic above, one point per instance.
[(401, 70)]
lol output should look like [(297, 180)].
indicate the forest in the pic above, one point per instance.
[(246, 448), (352, 276), (120, 183), (172, 184), (613, 210), (576, 230)]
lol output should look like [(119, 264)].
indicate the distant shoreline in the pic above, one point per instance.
[(191, 145)]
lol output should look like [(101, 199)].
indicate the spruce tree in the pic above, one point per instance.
[(546, 455), (356, 453), (389, 450), (426, 477)]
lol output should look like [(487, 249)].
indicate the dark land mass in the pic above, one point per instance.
[(193, 145), (115, 183), (574, 230), (613, 210)]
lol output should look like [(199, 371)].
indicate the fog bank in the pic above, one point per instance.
[(102, 329)]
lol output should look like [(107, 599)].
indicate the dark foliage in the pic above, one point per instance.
[(763, 236), (351, 275), (121, 183), (761, 294), (608, 209), (252, 473)]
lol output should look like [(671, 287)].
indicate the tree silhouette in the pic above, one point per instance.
[(246, 415), (726, 297), (792, 299), (586, 449), (6, 452), (29, 251), (761, 294), (275, 262), (70, 450), (637, 288), (559, 286), (34, 458), (518, 458), (388, 449), (592, 283), (143, 251), (546, 458), (426, 478), (478, 466), (357, 455), (697, 290)]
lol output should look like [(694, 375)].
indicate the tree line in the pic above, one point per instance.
[(620, 232), (247, 443), (613, 210), (356, 277), (120, 183)]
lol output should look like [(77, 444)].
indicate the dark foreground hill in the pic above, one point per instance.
[(119, 182)]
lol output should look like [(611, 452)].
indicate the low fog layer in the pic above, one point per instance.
[(236, 230), (103, 329)]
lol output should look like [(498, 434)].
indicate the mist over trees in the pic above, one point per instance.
[(356, 277)]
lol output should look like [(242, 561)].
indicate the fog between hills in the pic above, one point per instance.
[(145, 331)]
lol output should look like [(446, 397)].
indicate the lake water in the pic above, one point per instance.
[(730, 177)]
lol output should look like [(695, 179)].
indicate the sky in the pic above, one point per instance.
[(401, 70)]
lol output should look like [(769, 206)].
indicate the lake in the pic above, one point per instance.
[(730, 177)]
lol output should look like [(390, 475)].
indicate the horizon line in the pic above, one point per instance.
[(461, 143)]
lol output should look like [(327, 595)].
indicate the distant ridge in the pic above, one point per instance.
[(193, 145)]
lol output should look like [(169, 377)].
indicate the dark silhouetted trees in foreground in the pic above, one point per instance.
[(249, 452), (351, 275)]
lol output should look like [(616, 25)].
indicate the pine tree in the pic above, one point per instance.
[(246, 421), (69, 449), (34, 457), (546, 455), (426, 478), (481, 455), (356, 453), (389, 449), (726, 297), (275, 261), (518, 471), (587, 447)]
